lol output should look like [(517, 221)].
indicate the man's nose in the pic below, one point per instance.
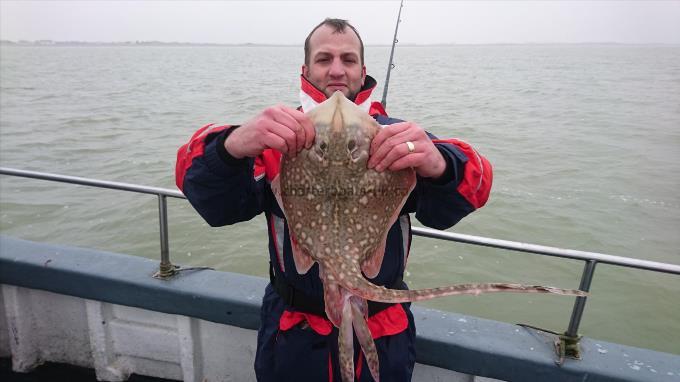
[(336, 68)]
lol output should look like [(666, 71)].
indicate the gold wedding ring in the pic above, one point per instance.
[(411, 146)]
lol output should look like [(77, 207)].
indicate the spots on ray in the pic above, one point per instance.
[(361, 214)]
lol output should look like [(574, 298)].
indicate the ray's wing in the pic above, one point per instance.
[(382, 196), (292, 210)]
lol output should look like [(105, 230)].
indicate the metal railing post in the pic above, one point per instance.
[(580, 303), (569, 341), (166, 269)]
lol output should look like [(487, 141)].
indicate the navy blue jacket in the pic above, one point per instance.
[(225, 190)]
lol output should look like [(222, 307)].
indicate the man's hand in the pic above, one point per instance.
[(278, 127), (390, 150)]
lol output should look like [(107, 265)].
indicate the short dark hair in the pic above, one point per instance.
[(339, 26)]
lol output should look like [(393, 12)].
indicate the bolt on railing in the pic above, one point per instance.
[(591, 259)]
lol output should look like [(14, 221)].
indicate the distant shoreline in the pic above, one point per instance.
[(50, 43)]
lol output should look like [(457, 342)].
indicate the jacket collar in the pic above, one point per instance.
[(311, 96)]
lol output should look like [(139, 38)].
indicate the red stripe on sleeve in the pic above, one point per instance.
[(377, 109), (259, 168), (268, 163), (476, 184), (194, 148)]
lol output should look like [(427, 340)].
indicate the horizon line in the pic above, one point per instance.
[(48, 42)]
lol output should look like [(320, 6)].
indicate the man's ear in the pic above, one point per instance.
[(305, 71), (363, 74)]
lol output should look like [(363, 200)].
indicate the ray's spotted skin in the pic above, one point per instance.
[(339, 213)]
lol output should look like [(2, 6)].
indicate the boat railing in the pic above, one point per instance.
[(569, 340)]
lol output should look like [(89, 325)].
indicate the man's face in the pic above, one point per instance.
[(335, 62)]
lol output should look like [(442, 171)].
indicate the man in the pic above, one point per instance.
[(225, 172)]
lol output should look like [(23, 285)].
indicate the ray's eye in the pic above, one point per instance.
[(351, 145), (320, 149)]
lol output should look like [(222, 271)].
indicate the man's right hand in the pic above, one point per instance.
[(278, 127)]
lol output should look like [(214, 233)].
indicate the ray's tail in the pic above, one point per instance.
[(359, 286)]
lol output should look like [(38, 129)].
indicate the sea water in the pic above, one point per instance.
[(584, 140)]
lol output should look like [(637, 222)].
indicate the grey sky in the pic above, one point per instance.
[(288, 22)]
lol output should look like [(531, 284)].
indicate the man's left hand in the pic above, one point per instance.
[(403, 145)]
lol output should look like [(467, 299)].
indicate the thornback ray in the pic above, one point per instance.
[(339, 213)]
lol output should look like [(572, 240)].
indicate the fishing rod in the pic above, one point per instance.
[(391, 65)]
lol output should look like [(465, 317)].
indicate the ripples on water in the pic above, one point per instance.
[(584, 140)]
